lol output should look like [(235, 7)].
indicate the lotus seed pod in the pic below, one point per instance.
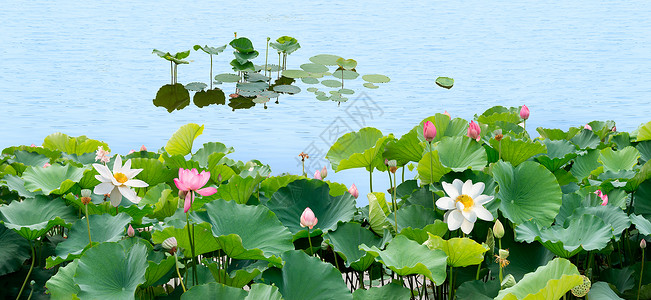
[(582, 289), (504, 254)]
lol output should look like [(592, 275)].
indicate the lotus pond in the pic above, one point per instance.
[(491, 213)]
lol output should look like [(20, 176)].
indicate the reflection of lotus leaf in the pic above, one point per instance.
[(346, 74), (172, 97), (376, 78), (260, 99), (318, 75), (295, 73), (195, 86), (319, 93), (290, 89), (269, 94), (241, 103), (205, 98), (445, 82), (370, 85), (325, 59), (331, 83), (227, 77), (310, 80), (314, 68)]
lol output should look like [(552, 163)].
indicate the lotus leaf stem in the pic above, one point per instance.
[(370, 179), (176, 265), (451, 289), (29, 272)]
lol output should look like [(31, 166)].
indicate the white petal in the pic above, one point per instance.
[(483, 213), (103, 171), (127, 166), (445, 203), (466, 226), (102, 179), (136, 183), (450, 189), (117, 164), (459, 206), (128, 193), (116, 197), (470, 215), (466, 189), (132, 173), (477, 189), (103, 188), (445, 216), (454, 220), (482, 199)]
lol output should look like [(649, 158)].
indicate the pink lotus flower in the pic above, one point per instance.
[(130, 231), (190, 181), (353, 191), (132, 151), (474, 131), (143, 148), (308, 219), (524, 112), (447, 114), (33, 145), (317, 175), (588, 127), (429, 131), (604, 197), (324, 172), (46, 165)]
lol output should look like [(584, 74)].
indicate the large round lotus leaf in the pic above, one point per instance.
[(295, 73), (27, 158), (153, 171), (346, 240), (205, 98), (260, 100), (586, 139), (228, 77), (242, 45), (346, 74), (55, 179), (406, 149), (73, 145), (430, 168), (551, 281), (528, 192), (583, 165), (204, 240), (622, 159), (358, 149), (14, 250), (325, 59), (253, 77), (370, 85), (252, 87), (478, 290), (444, 127), (246, 232), (182, 140), (445, 82), (290, 89), (310, 80), (289, 202), (314, 68), (62, 285), (460, 153), (331, 83), (414, 216), (602, 291), (103, 228), (376, 78), (214, 290), (34, 217), (195, 86), (613, 216), (171, 97), (238, 189), (558, 154), (406, 257), (269, 94), (263, 291), (643, 225), (111, 271), (516, 151), (391, 291), (461, 252)]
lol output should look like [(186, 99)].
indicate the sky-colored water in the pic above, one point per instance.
[(86, 68)]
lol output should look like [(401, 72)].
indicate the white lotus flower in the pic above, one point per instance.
[(119, 182), (464, 204)]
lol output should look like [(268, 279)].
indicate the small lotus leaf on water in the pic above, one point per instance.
[(295, 73), (319, 93), (228, 77), (334, 93), (376, 78), (256, 77), (325, 59), (269, 94), (260, 99), (290, 89), (312, 89), (252, 86), (338, 98), (370, 85), (322, 98), (445, 82), (310, 80), (331, 83), (346, 91), (244, 93), (314, 68), (346, 74), (348, 64), (318, 75), (195, 86)]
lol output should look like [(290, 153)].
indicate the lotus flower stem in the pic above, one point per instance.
[(29, 272), (191, 238), (90, 242), (309, 240), (176, 265), (639, 287)]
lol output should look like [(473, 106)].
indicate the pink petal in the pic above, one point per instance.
[(180, 185), (188, 202), (207, 191)]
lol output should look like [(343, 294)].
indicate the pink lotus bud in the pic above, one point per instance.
[(474, 131), (130, 231), (308, 219), (46, 165), (132, 151), (386, 162), (324, 172), (524, 112), (143, 148), (353, 191), (643, 243), (614, 129), (588, 127), (317, 175), (429, 131), (447, 114)]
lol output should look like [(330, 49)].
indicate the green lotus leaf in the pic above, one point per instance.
[(243, 58), (516, 151), (346, 74), (55, 179), (181, 141), (478, 290), (205, 98), (253, 88), (644, 132), (602, 291), (370, 85), (256, 77), (177, 161), (62, 284), (269, 94), (286, 47), (306, 277), (214, 290), (310, 80), (103, 228), (444, 127), (295, 73), (240, 277), (238, 189), (586, 139), (406, 257), (377, 212), (551, 281), (289, 202), (27, 158), (346, 240), (421, 235), (242, 67), (461, 252), (406, 149), (612, 216), (388, 291), (110, 270), (559, 153), (203, 155), (204, 240), (228, 77), (358, 149), (247, 232), (499, 117), (584, 164), (158, 271), (33, 217), (322, 97), (17, 184), (460, 153), (643, 225), (314, 68), (14, 250), (72, 145), (346, 91), (413, 216), (210, 50), (290, 89), (172, 97), (270, 185), (348, 64), (312, 89), (376, 78), (445, 82), (242, 44), (215, 171), (153, 171), (325, 59), (331, 83), (527, 192), (430, 168), (195, 86), (622, 159), (263, 291)]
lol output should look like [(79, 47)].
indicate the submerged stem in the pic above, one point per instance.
[(29, 272)]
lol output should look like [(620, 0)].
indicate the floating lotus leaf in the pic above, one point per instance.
[(445, 82), (181, 141), (406, 257), (338, 98), (172, 97), (322, 98), (255, 87), (109, 270), (387, 291), (312, 89), (256, 77), (227, 77), (247, 232), (348, 64), (72, 145), (14, 250), (314, 68), (335, 93), (204, 240), (612, 216), (331, 83), (622, 159), (370, 85), (558, 154), (643, 225), (295, 73), (551, 281), (310, 80), (33, 217), (527, 192), (290, 201), (346, 74), (516, 151), (346, 240), (362, 149), (460, 153), (62, 285), (195, 86), (205, 98), (306, 277), (430, 168), (376, 78), (318, 75), (55, 179), (461, 252), (290, 89), (602, 291), (346, 91), (269, 94), (325, 59)]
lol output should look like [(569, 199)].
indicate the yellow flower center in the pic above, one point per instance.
[(467, 202), (121, 178)]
